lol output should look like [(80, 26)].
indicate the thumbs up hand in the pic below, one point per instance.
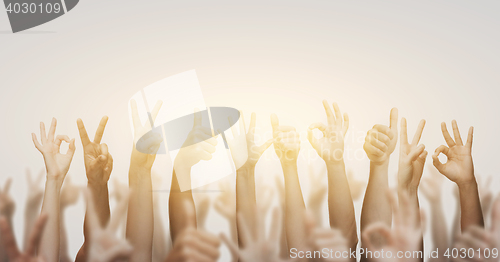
[(381, 140), (286, 142), (199, 145)]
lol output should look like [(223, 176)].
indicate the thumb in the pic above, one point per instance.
[(274, 121), (394, 119)]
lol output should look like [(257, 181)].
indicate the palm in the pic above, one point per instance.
[(243, 147), (459, 165), (57, 164), (331, 145), (98, 162)]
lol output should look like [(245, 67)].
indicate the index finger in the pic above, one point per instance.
[(338, 115), (456, 133), (446, 135), (404, 131), (83, 132), (136, 120), (156, 110), (100, 130), (394, 119), (6, 188), (329, 113), (418, 133)]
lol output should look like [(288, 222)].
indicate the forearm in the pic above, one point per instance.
[(140, 214), (340, 204), (3, 253), (245, 197), (100, 196), (30, 216), (63, 251), (49, 245), (439, 230), (376, 208), (179, 203), (469, 200), (294, 207), (160, 245)]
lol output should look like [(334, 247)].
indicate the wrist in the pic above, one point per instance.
[(410, 190), (467, 185), (54, 182), (246, 170)]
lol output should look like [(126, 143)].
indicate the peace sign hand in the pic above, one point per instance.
[(98, 161), (411, 157), (459, 167)]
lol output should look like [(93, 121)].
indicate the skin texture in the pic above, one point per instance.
[(33, 203), (405, 234), (192, 244), (317, 194), (98, 166), (287, 147), (140, 217), (10, 245), (225, 205), (199, 145), (476, 237), (69, 196), (379, 144), (57, 166), (320, 238), (245, 174), (7, 208), (331, 148), (258, 246), (431, 189), (103, 244), (459, 168)]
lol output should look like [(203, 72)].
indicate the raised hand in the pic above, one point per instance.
[(199, 145), (459, 167), (241, 140), (330, 147), (194, 245), (257, 247), (69, 193), (33, 202), (356, 186), (405, 235), (103, 245), (286, 142), (57, 164), (411, 158), (98, 161), (381, 140), (317, 193), (7, 204), (326, 239), (10, 245), (151, 144), (35, 191), (432, 186), (487, 241)]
